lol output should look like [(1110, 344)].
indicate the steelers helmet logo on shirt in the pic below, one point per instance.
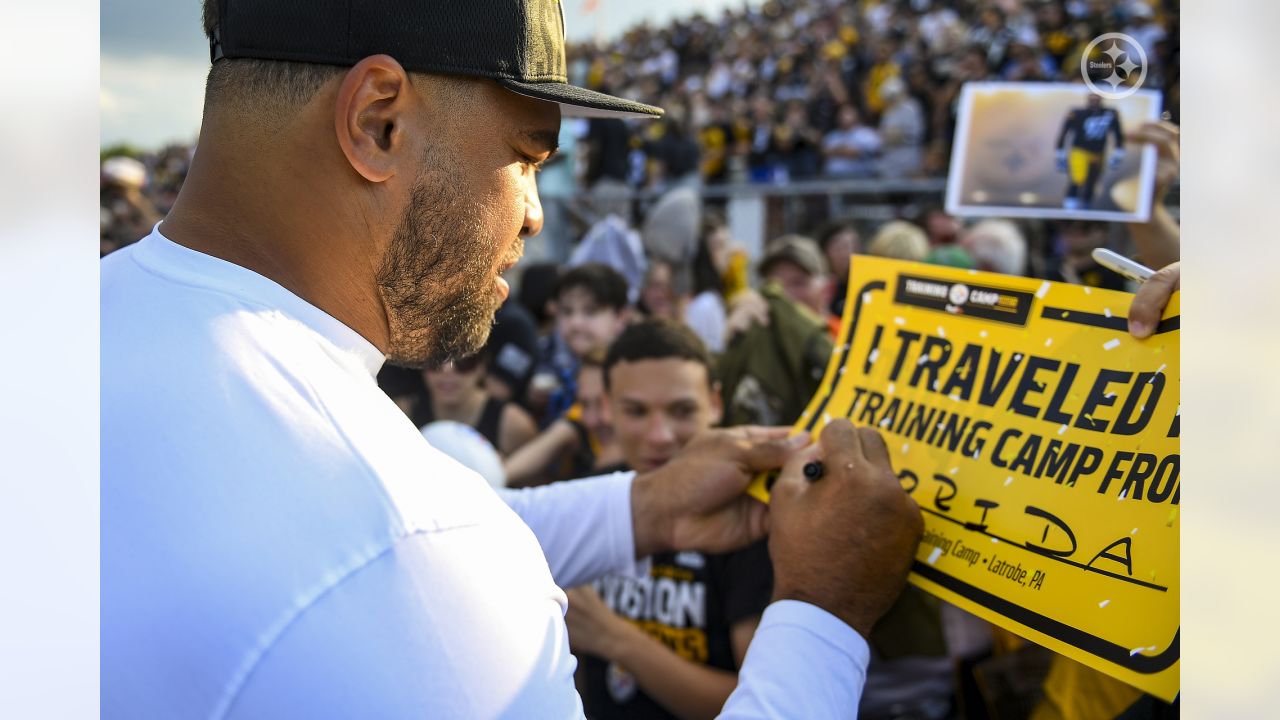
[(621, 684)]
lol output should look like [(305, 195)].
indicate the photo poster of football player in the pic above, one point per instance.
[(1051, 150)]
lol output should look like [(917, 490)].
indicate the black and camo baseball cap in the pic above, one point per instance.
[(517, 43)]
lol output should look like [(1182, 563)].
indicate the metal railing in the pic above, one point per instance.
[(755, 211)]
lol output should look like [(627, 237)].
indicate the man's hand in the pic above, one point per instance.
[(1148, 305), (696, 501), (1157, 240), (1167, 138), (747, 309), (592, 625), (845, 541)]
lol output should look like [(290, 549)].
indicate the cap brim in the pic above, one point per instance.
[(581, 102)]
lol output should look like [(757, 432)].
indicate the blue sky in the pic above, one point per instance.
[(155, 56)]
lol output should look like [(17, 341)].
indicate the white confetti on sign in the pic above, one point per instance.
[(982, 333), (905, 447), (942, 332), (1048, 342), (1086, 290), (1044, 288), (1106, 311), (1104, 603), (890, 388), (954, 470), (933, 556), (1008, 481), (900, 321), (872, 357), (866, 298), (1062, 429), (1111, 344)]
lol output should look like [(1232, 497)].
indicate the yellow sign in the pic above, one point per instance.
[(1040, 440)]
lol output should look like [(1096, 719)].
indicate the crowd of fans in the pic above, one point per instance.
[(648, 334), (619, 363), (795, 89)]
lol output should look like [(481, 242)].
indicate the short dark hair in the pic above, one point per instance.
[(271, 92), (657, 339), (832, 229), (606, 286), (705, 275), (244, 83), (537, 286)]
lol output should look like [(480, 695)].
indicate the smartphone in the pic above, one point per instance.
[(1123, 265)]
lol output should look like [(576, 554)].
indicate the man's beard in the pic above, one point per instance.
[(436, 279)]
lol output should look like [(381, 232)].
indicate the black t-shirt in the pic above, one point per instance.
[(489, 425), (689, 602), (1089, 128), (610, 142)]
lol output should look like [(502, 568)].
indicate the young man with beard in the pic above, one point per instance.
[(277, 539), (667, 645)]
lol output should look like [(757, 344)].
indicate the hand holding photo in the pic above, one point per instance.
[(1051, 150)]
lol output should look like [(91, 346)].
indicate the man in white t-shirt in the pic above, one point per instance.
[(851, 149), (278, 540)]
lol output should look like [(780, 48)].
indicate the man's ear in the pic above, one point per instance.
[(717, 404), (370, 116), (624, 318)]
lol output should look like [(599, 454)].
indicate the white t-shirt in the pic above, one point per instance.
[(278, 540), (861, 138), (705, 315)]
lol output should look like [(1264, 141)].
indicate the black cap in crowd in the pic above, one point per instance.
[(517, 43)]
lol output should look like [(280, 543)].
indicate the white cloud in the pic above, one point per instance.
[(151, 100)]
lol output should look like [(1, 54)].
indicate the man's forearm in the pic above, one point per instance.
[(533, 458), (651, 520), (686, 689), (1157, 241)]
